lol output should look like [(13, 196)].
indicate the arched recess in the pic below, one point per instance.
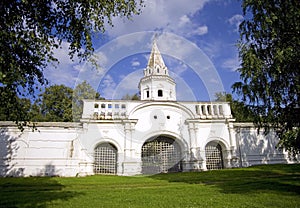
[(214, 155), (161, 154), (105, 158)]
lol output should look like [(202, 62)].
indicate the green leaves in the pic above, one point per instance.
[(82, 91), (269, 50), (55, 104), (239, 110), (30, 30)]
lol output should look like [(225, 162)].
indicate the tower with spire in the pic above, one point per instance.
[(156, 83)]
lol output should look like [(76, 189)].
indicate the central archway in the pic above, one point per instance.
[(161, 155)]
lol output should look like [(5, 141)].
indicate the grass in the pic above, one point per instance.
[(258, 186)]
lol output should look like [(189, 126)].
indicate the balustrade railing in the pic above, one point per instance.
[(213, 110)]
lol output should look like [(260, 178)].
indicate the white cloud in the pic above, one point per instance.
[(183, 20), (108, 86), (212, 49), (65, 76), (176, 66), (232, 63), (201, 30), (214, 81), (135, 63), (236, 21), (171, 44), (166, 15), (65, 71), (127, 85)]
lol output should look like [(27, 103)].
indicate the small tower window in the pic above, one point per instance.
[(157, 70), (147, 92), (160, 93)]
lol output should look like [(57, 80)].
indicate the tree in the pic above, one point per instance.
[(82, 91), (9, 113), (30, 30), (131, 97), (55, 104), (269, 50), (239, 110)]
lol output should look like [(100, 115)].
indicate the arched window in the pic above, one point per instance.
[(160, 93), (105, 159)]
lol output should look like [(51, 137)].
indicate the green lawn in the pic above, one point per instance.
[(259, 186)]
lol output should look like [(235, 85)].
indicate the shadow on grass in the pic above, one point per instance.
[(31, 192), (266, 178)]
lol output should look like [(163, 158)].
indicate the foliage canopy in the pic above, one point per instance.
[(30, 30), (80, 92), (239, 111), (269, 50)]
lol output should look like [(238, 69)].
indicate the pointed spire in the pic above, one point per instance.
[(155, 57), (156, 83), (156, 65)]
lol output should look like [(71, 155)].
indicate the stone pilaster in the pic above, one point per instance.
[(195, 160), (131, 163)]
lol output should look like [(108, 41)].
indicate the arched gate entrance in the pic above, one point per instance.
[(105, 159), (161, 155), (214, 156)]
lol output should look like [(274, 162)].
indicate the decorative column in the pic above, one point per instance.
[(195, 160), (130, 164), (232, 158)]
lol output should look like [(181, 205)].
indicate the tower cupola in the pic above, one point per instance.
[(156, 83)]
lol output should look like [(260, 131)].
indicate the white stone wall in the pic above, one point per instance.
[(51, 150), (67, 149), (253, 148)]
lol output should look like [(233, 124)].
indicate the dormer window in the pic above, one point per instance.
[(160, 93)]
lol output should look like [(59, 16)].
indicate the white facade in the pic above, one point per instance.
[(152, 135)]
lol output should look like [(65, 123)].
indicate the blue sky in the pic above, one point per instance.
[(197, 39)]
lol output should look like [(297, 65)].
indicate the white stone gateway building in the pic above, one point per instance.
[(152, 135)]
